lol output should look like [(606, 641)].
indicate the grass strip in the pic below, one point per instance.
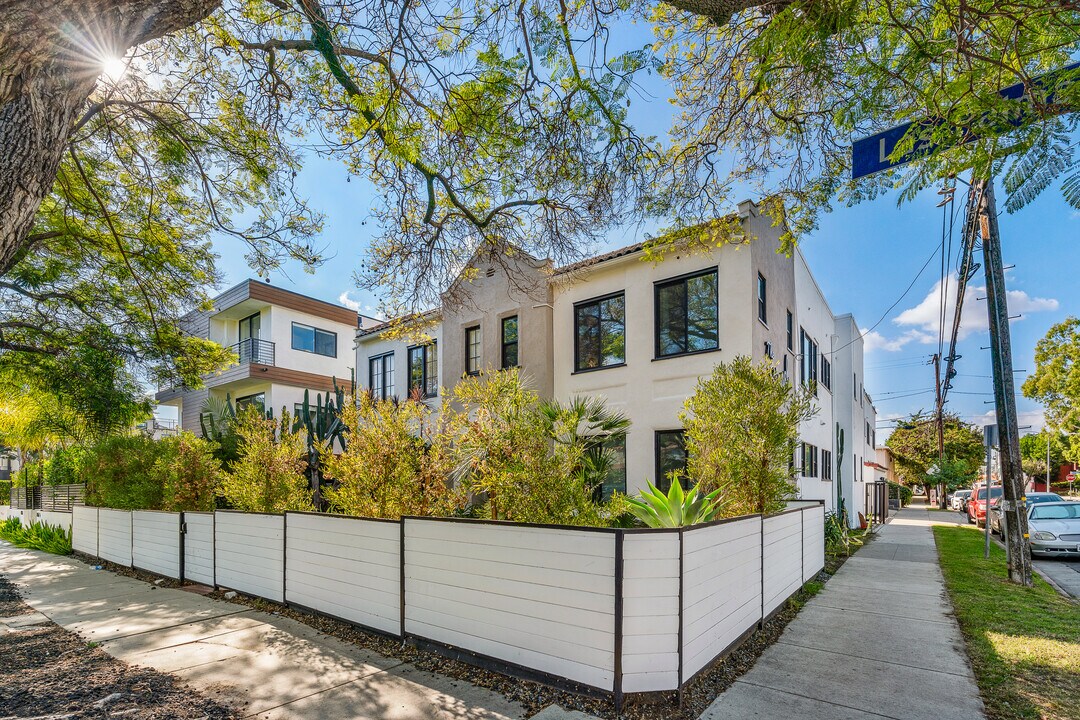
[(1024, 643)]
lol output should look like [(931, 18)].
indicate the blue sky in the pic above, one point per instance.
[(864, 257)]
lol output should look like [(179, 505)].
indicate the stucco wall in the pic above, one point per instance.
[(502, 288)]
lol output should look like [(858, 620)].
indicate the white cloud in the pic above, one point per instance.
[(1025, 418), (348, 302), (873, 340), (924, 316), (346, 299)]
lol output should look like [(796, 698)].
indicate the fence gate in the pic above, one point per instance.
[(877, 501)]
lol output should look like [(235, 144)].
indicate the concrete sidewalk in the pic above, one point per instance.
[(879, 641), (262, 665)]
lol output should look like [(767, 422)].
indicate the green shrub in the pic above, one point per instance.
[(64, 467), (741, 425), (396, 461), (901, 491), (36, 536), (138, 473), (189, 472), (120, 472), (269, 474)]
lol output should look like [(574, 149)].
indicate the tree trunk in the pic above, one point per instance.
[(51, 55)]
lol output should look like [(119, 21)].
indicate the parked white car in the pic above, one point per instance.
[(1054, 529), (958, 499)]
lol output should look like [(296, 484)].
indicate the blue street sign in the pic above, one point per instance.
[(871, 154)]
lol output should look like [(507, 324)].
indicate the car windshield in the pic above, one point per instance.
[(963, 493), (1043, 497), (1056, 512), (994, 492)]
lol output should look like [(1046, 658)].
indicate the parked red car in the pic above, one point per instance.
[(977, 504)]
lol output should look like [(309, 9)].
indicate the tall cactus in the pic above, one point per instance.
[(324, 428), (840, 511)]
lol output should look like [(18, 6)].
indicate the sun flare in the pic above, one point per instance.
[(113, 68)]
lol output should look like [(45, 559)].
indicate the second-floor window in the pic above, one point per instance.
[(790, 331), (313, 340), (600, 332), (509, 342), (381, 376), (472, 350), (826, 464), (762, 305), (826, 373), (809, 363), (424, 370), (686, 315)]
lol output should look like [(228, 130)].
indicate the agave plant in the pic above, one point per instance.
[(677, 508)]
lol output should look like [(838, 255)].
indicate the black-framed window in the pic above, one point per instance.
[(826, 373), (472, 350), (255, 399), (768, 350), (509, 354), (762, 303), (381, 375), (790, 331), (670, 457), (314, 340), (615, 479), (826, 464), (809, 460), (868, 441), (687, 315), (298, 410), (250, 327), (600, 332), (809, 363), (423, 361)]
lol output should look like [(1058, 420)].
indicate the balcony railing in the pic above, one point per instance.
[(254, 350)]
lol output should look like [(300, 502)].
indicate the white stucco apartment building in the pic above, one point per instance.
[(286, 344), (640, 335)]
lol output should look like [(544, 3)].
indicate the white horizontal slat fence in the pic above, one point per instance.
[(84, 529), (346, 567), (199, 547), (620, 611), (721, 594), (782, 558), (537, 597), (114, 536), (650, 625), (249, 553), (156, 542), (813, 541)]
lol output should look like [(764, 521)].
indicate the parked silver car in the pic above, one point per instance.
[(1033, 498), (1054, 529), (959, 500)]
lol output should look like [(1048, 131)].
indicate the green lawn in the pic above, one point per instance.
[(1024, 643)]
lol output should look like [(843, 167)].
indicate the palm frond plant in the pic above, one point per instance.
[(677, 508), (589, 430)]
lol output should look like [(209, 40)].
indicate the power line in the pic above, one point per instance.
[(869, 330)]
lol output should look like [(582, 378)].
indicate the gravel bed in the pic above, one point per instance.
[(49, 672)]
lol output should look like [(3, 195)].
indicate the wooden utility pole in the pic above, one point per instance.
[(1012, 479), (940, 425)]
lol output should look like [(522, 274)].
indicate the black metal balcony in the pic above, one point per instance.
[(254, 350)]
